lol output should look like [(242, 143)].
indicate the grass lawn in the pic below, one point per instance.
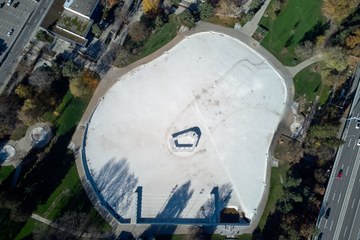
[(308, 83), (5, 172), (161, 37), (68, 187), (289, 27), (275, 190), (27, 229), (71, 110), (69, 194), (157, 40)]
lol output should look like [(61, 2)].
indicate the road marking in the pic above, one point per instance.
[(332, 221), (352, 205), (325, 223), (354, 146), (334, 196), (345, 231), (347, 170), (349, 142), (339, 197), (357, 208)]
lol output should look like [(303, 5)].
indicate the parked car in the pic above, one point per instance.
[(9, 2), (358, 142), (357, 124), (10, 32), (327, 213), (320, 236), (340, 174)]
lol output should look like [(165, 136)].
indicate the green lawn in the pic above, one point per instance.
[(27, 229), (71, 111), (157, 40), (276, 190), (288, 28), (68, 187), (69, 194), (161, 37), (307, 83), (5, 172)]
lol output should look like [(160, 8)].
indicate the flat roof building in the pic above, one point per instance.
[(84, 8)]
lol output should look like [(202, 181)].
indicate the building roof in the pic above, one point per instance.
[(83, 7)]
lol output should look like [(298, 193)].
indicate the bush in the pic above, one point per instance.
[(44, 36), (187, 19)]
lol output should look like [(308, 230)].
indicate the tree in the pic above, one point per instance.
[(138, 32), (335, 58), (353, 39), (150, 6), (338, 9), (158, 22), (206, 10), (43, 77), (84, 84), (44, 36), (96, 30), (70, 69), (24, 91), (187, 19)]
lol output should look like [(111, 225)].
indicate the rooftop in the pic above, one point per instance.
[(223, 112), (84, 7)]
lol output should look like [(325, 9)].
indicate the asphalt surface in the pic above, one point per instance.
[(9, 65), (343, 193)]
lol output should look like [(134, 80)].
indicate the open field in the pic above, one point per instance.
[(289, 27), (307, 83)]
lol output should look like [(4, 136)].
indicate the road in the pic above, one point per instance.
[(343, 194), (9, 65)]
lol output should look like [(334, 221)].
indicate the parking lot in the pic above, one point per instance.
[(12, 20)]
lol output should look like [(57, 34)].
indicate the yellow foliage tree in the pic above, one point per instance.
[(338, 9), (150, 5), (353, 39)]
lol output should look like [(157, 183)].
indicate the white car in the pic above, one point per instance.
[(358, 142), (9, 2), (357, 124), (10, 32)]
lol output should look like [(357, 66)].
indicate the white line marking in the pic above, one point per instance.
[(347, 170), (352, 205), (342, 166), (334, 196), (339, 197), (350, 139), (325, 223), (354, 146), (332, 221), (345, 231)]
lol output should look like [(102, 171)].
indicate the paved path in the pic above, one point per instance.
[(294, 70), (113, 75), (251, 26)]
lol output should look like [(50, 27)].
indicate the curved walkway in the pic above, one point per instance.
[(294, 70), (112, 77)]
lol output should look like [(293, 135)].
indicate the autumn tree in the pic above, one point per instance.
[(84, 84), (138, 31), (150, 6), (353, 39), (338, 9), (335, 58), (24, 91)]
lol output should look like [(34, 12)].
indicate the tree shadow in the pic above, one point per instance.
[(318, 29), (171, 211), (116, 184)]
